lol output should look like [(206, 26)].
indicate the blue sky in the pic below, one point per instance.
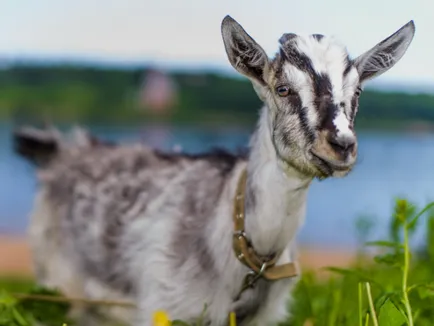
[(188, 32)]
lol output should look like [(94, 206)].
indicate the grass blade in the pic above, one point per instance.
[(371, 304)]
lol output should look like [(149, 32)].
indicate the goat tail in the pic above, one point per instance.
[(39, 146)]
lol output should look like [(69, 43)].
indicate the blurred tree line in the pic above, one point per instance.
[(71, 93)]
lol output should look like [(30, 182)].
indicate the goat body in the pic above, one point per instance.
[(129, 222)]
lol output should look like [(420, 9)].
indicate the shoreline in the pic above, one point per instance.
[(15, 256), (16, 260)]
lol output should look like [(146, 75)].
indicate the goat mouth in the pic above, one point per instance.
[(327, 167)]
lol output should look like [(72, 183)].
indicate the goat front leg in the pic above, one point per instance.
[(275, 309)]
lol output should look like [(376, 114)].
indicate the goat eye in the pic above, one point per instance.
[(283, 91), (358, 91)]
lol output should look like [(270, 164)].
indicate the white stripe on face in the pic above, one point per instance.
[(328, 57), (342, 125), (302, 82), (351, 82)]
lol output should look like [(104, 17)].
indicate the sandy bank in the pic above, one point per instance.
[(15, 257)]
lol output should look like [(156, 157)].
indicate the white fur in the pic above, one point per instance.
[(342, 125), (274, 178)]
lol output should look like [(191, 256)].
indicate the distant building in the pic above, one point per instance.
[(158, 92)]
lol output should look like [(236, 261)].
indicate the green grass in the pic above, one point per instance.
[(400, 281), (395, 288), (16, 284)]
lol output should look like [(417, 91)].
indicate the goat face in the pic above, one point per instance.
[(312, 89)]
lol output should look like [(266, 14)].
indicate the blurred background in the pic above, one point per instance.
[(156, 72)]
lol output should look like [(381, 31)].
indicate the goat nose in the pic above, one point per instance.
[(342, 145)]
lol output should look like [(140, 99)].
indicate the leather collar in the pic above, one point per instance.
[(260, 266)]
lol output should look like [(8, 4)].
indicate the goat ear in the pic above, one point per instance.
[(244, 54), (385, 54)]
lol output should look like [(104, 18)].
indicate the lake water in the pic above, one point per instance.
[(390, 165)]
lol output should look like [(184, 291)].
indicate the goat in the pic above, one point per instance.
[(128, 221)]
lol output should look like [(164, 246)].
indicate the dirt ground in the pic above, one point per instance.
[(15, 257)]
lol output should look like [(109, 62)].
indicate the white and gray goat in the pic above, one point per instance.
[(131, 222)]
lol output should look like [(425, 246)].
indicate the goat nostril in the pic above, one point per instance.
[(344, 146)]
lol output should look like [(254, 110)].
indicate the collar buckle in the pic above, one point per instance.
[(251, 278)]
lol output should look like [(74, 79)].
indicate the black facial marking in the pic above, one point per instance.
[(323, 86), (294, 101), (324, 101), (295, 104), (304, 122), (354, 107), (278, 64), (299, 60), (328, 112), (302, 62)]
